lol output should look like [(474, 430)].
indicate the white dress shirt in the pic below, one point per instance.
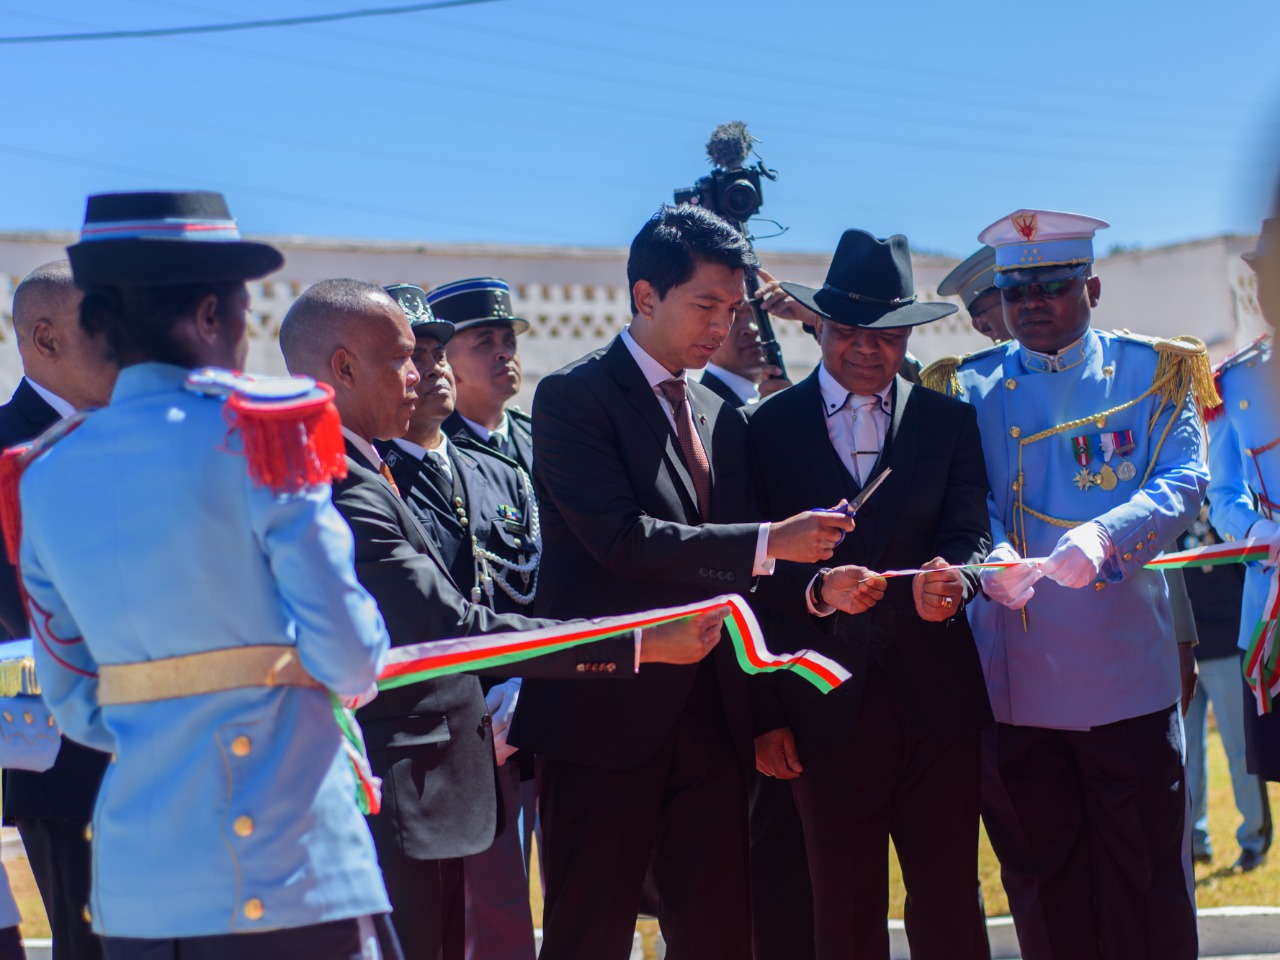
[(747, 391), (439, 454), (60, 406), (365, 447), (839, 405), (655, 373), (502, 431)]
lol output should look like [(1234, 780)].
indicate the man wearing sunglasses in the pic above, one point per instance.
[(1095, 457)]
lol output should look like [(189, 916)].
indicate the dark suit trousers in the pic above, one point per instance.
[(781, 894), (885, 781), (1103, 811), (336, 940), (428, 906), (59, 856), (686, 809)]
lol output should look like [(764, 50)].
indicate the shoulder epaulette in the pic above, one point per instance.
[(520, 414), (290, 428), (1127, 334), (940, 376), (13, 463), (1250, 352)]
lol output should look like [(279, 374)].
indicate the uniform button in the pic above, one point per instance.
[(88, 832), (1151, 535), (1099, 585), (51, 722), (27, 717), (730, 576), (610, 667), (253, 908), (1244, 404), (1010, 384), (243, 826), (1128, 556), (702, 571), (241, 746), (1015, 432), (1016, 486), (582, 668), (720, 575), (8, 717), (88, 917), (516, 541), (1108, 371), (1139, 545)]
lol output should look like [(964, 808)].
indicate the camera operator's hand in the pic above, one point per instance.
[(772, 381), (682, 641), (778, 303), (810, 536), (853, 589)]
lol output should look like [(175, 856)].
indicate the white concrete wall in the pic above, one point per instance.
[(576, 298)]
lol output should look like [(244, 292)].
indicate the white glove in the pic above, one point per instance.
[(360, 699), (1011, 587), (1079, 556), (1268, 531), (501, 701)]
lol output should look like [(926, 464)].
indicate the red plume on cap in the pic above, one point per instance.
[(290, 444)]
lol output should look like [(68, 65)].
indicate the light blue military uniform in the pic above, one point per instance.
[(1106, 652), (1244, 463), (143, 535)]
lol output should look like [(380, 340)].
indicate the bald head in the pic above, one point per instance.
[(353, 336), (56, 352)]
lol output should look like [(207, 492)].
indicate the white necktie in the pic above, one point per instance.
[(866, 438)]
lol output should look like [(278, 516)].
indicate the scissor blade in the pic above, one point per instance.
[(868, 490)]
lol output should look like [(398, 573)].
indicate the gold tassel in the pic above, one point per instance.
[(1183, 367), (940, 376), (18, 677)]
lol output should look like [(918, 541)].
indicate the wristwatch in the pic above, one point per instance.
[(816, 592)]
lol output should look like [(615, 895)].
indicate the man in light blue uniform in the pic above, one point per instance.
[(1094, 455), (1244, 460), (159, 574)]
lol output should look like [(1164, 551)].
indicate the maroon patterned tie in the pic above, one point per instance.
[(695, 457)]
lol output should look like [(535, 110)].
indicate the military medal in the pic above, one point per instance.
[(1107, 476), (1125, 446), (1084, 479)]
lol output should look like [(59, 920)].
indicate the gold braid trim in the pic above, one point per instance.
[(1187, 360), (940, 376), (18, 677)]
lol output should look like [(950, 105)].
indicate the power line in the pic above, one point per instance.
[(243, 24)]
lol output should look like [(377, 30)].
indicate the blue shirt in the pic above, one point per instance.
[(144, 538), (1106, 652)]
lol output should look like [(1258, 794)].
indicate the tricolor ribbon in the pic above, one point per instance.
[(438, 658), (1262, 657)]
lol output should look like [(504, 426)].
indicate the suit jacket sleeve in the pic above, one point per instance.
[(420, 604), (964, 534), (579, 468)]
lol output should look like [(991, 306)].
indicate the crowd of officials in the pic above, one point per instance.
[(207, 560)]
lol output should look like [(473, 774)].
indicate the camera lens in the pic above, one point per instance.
[(740, 199)]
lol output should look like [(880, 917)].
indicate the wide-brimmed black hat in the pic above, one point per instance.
[(413, 301), (178, 236), (869, 284), (476, 302)]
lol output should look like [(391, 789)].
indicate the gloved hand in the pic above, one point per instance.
[(501, 701), (1011, 587), (1268, 531), (1079, 556)]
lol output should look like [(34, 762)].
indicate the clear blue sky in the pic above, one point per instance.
[(569, 121)]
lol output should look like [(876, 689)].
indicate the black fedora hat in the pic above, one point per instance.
[(476, 302), (869, 284), (413, 301), (164, 237)]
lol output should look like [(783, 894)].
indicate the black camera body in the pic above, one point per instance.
[(732, 194)]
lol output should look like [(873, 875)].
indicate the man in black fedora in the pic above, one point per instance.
[(894, 752), (485, 358)]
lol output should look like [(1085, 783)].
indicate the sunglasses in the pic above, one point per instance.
[(1049, 290)]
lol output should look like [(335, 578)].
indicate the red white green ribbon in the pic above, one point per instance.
[(438, 658)]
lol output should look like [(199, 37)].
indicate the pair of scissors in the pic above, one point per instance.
[(853, 506)]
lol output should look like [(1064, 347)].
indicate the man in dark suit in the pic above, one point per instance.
[(63, 370), (478, 508), (894, 752), (429, 742), (485, 357), (642, 481)]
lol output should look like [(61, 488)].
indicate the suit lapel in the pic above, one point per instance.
[(640, 395)]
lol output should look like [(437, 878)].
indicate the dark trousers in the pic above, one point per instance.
[(1104, 812), (685, 809), (11, 944), (885, 781), (59, 855), (428, 906), (1261, 737), (1009, 843), (336, 940), (781, 894)]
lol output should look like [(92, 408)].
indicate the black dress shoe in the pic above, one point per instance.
[(1249, 860)]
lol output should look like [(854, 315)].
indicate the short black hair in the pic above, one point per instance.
[(138, 321), (668, 248)]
